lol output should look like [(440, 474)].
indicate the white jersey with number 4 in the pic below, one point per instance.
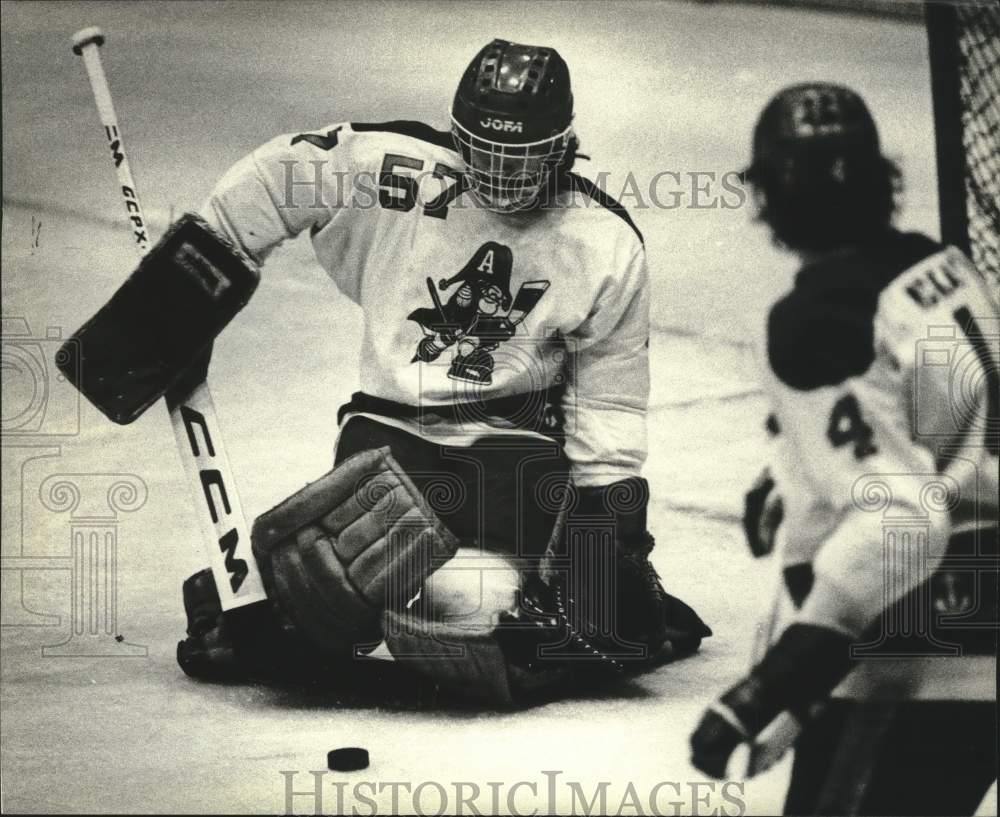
[(882, 371), (461, 304)]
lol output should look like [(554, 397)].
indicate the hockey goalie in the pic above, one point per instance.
[(486, 518)]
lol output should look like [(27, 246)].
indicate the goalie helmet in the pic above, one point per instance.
[(512, 122)]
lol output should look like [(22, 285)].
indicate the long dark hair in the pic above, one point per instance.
[(822, 200), (558, 176)]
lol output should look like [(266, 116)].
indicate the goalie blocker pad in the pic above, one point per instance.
[(337, 553), (160, 322)]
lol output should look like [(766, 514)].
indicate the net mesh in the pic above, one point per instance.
[(978, 31)]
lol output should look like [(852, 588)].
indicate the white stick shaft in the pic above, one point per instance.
[(106, 110), (770, 746), (225, 535)]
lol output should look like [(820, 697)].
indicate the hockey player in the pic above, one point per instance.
[(524, 392), (881, 368)]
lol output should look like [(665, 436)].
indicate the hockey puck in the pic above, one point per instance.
[(347, 759)]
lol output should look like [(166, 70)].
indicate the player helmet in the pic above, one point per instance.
[(818, 174), (810, 119), (512, 122)]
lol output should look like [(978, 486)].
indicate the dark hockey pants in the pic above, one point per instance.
[(910, 757), (496, 494)]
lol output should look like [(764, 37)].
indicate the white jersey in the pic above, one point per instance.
[(882, 374), (462, 305)]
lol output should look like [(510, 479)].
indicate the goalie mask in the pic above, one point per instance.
[(512, 122)]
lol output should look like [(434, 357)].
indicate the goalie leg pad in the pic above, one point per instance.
[(345, 548), (529, 652), (467, 663), (161, 322)]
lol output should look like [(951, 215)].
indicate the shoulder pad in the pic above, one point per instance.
[(415, 130), (822, 332), (815, 340), (582, 184)]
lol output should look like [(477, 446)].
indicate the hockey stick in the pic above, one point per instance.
[(437, 301), (225, 535), (778, 737), (528, 296)]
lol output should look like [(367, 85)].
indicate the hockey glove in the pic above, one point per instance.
[(763, 512), (801, 668), (245, 644), (161, 322)]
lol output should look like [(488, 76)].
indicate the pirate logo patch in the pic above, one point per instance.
[(478, 316)]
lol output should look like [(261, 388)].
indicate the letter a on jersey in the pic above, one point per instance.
[(487, 265)]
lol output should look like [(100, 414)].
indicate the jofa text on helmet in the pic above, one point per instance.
[(506, 125)]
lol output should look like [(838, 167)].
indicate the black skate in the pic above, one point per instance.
[(664, 622)]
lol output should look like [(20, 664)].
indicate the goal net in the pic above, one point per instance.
[(964, 41)]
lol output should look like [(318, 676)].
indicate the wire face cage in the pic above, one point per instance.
[(507, 177)]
